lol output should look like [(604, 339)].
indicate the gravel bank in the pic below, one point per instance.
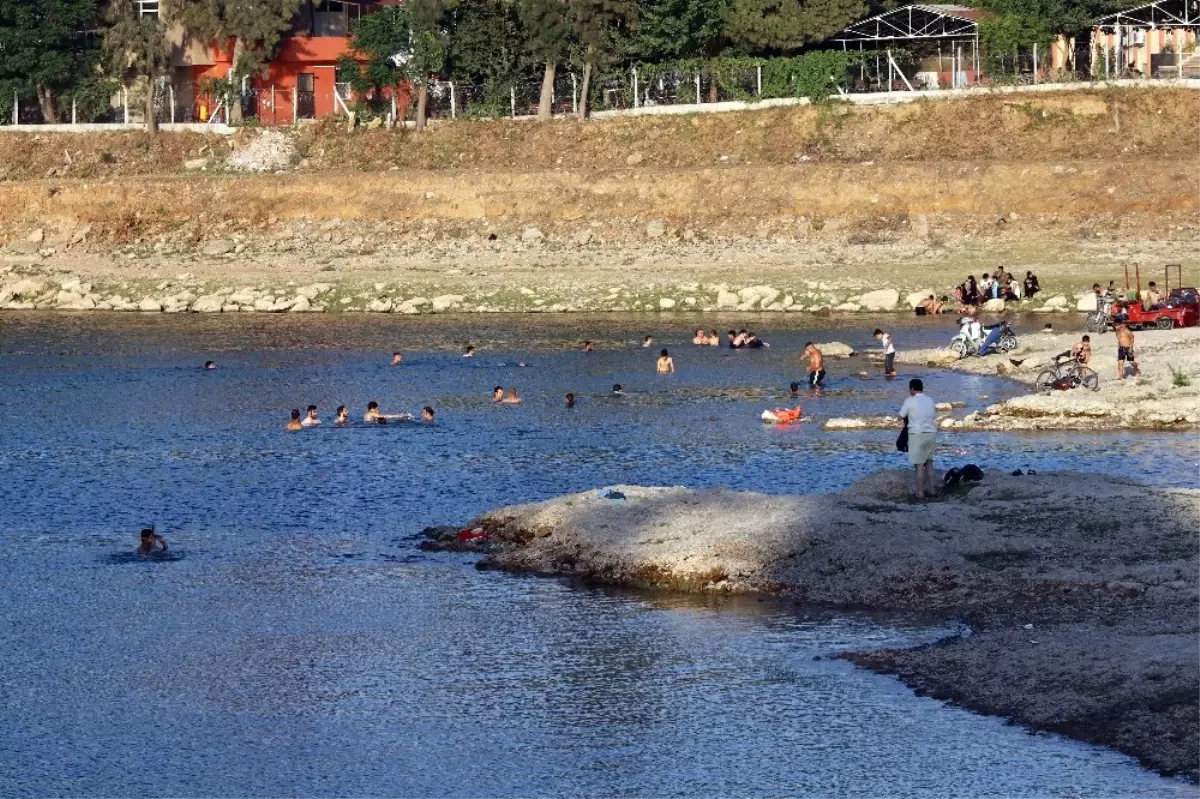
[(1165, 397), (1111, 655)]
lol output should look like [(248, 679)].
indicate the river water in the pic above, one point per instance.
[(295, 642)]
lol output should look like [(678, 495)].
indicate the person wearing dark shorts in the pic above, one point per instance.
[(816, 365), (889, 353), (1125, 351)]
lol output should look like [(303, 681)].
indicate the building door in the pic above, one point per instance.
[(306, 96)]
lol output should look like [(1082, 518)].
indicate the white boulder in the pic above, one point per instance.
[(1086, 303), (209, 303), (993, 306), (881, 300)]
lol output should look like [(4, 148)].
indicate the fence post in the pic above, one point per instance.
[(394, 112), (574, 95), (1035, 64), (171, 90), (697, 88), (633, 71), (512, 100), (295, 103), (16, 110), (453, 102), (125, 105), (759, 80), (72, 110)]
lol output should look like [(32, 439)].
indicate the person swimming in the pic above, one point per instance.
[(734, 341), (294, 423), (701, 338), (754, 342), (498, 394), (397, 359), (151, 541), (511, 398), (310, 417), (647, 341), (665, 365), (714, 338), (210, 365), (617, 390), (570, 399), (427, 415), (343, 415), (469, 352), (794, 389), (373, 415), (587, 346)]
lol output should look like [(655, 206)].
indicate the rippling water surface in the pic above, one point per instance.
[(296, 643)]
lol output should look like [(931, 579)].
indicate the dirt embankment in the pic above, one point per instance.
[(1078, 626), (905, 197)]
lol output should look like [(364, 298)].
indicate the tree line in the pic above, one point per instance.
[(62, 52)]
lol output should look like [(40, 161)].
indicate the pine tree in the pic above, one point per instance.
[(427, 19), (135, 47), (596, 27), (45, 48), (785, 26), (548, 27)]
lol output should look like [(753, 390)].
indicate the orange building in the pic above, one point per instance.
[(299, 82)]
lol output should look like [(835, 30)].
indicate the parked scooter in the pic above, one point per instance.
[(975, 339)]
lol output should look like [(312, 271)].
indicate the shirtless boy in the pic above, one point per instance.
[(816, 365), (1125, 351)]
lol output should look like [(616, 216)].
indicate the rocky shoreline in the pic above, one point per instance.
[(1077, 624)]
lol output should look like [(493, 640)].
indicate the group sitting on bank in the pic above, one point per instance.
[(1000, 285)]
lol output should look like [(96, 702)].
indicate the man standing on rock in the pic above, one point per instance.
[(921, 415)]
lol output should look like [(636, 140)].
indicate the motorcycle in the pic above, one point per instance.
[(964, 344)]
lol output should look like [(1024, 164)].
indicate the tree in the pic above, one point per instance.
[(136, 47), (381, 38), (45, 48), (678, 30), (426, 56), (548, 27), (254, 26), (785, 26), (596, 26)]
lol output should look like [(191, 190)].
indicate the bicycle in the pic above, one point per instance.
[(1067, 368)]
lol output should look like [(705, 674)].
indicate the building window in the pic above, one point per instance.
[(146, 8)]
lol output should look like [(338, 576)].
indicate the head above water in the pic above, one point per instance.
[(617, 388), (147, 533), (427, 414), (372, 406), (663, 354), (210, 365), (312, 409), (794, 387), (877, 332), (295, 414)]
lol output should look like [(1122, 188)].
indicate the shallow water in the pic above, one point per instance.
[(296, 642)]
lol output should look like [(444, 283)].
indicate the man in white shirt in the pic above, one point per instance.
[(889, 353), (919, 411)]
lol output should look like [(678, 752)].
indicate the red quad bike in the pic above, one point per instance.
[(1181, 307)]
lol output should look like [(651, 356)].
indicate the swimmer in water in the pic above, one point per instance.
[(511, 398), (498, 394), (151, 541), (469, 353), (617, 390), (701, 338), (427, 415), (714, 338), (816, 365), (570, 400), (665, 365), (294, 423), (373, 415), (647, 341), (310, 418), (397, 359), (210, 365), (587, 346), (794, 389), (343, 415)]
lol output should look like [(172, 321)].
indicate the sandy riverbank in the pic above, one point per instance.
[(1165, 396), (1080, 624)]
